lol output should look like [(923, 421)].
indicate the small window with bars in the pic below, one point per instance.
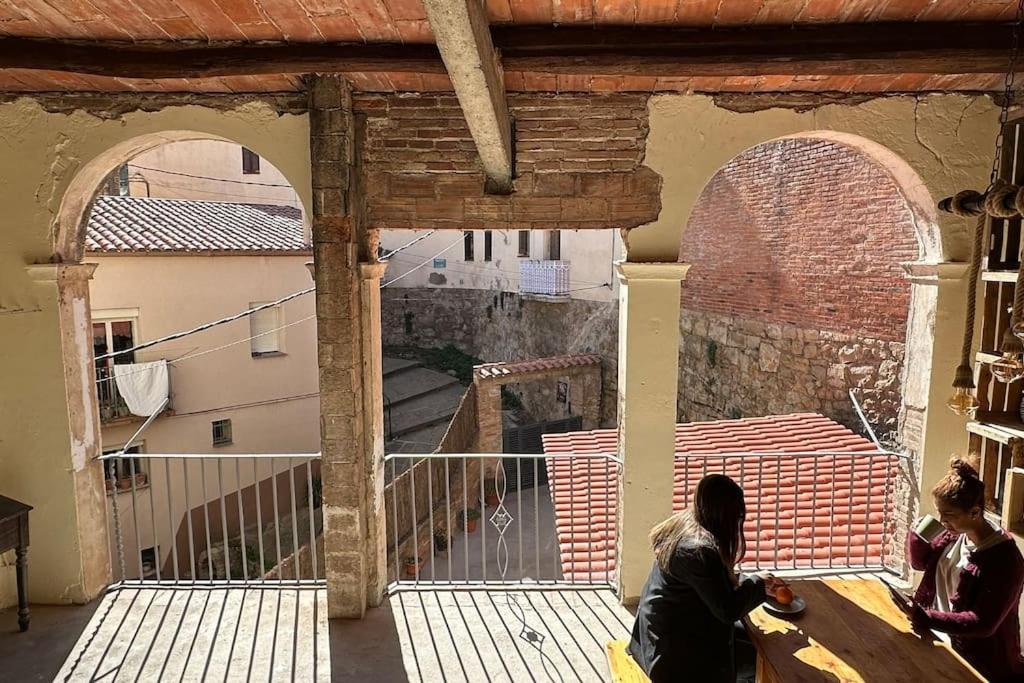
[(467, 245), (221, 432), (265, 331), (250, 162), (524, 243)]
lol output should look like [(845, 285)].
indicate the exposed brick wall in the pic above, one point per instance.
[(578, 164), (802, 232)]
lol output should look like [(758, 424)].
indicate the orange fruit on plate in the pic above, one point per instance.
[(784, 596)]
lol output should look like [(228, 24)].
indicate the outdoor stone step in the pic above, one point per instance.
[(394, 366), (414, 382), (425, 411)]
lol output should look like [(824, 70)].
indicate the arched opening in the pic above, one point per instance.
[(798, 292), (180, 229)]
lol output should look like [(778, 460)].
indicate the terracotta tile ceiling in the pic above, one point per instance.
[(802, 510), (404, 21)]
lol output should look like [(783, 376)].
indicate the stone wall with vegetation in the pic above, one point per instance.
[(731, 367), (503, 326)]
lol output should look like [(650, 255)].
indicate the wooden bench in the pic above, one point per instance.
[(623, 667)]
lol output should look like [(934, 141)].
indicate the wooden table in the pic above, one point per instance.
[(851, 631), (14, 534)]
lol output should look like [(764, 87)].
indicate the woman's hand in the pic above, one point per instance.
[(772, 584)]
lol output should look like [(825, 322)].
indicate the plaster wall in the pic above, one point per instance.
[(590, 253), (210, 170), (41, 154), (933, 145), (945, 140)]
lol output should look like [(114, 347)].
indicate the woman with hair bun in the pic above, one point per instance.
[(973, 574)]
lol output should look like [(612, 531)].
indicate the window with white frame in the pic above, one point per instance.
[(265, 330)]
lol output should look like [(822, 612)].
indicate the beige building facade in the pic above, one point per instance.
[(493, 259)]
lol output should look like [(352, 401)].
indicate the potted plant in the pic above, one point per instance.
[(440, 541), (124, 484), (470, 518), (109, 484), (141, 479), (490, 494), (412, 567)]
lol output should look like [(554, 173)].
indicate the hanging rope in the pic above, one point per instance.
[(964, 374)]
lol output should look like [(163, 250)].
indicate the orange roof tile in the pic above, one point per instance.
[(803, 508)]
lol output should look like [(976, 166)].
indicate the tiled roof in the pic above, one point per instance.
[(819, 508), (143, 224), (538, 365)]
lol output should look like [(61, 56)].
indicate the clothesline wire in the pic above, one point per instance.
[(190, 356), (391, 253), (224, 320), (425, 262), (206, 326)]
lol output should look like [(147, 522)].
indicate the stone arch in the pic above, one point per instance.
[(65, 165), (76, 203)]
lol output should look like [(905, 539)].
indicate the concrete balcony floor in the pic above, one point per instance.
[(284, 634)]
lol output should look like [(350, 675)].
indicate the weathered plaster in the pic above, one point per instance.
[(50, 166), (945, 139)]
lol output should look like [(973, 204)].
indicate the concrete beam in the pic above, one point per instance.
[(463, 37)]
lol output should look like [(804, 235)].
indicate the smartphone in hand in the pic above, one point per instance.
[(902, 600)]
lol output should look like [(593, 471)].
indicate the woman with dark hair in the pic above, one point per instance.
[(687, 621), (973, 575)]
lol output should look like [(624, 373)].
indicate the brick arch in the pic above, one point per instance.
[(806, 231)]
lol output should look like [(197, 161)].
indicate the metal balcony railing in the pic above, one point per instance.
[(549, 278), (112, 405), (806, 510), (482, 519), (211, 519)]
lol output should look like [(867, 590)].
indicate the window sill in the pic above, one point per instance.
[(223, 443), (269, 354)]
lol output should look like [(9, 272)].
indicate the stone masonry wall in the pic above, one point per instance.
[(731, 367), (502, 326), (796, 292)]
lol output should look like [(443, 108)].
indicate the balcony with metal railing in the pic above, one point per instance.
[(500, 566), (544, 278)]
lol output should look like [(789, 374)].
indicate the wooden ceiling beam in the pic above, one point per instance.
[(825, 49), (462, 32), (190, 60), (836, 50)]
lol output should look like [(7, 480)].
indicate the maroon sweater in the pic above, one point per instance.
[(983, 625)]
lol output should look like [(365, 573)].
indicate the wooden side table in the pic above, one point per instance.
[(14, 534)]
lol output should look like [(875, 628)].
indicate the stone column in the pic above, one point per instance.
[(69, 527), (488, 415), (373, 415), (348, 327), (590, 383), (928, 429), (648, 382)]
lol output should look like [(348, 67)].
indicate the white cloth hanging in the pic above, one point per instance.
[(143, 386)]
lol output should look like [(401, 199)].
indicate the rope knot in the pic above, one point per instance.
[(995, 200), (956, 204)]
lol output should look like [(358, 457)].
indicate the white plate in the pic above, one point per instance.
[(796, 607)]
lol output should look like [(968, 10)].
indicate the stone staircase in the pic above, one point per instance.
[(418, 405)]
